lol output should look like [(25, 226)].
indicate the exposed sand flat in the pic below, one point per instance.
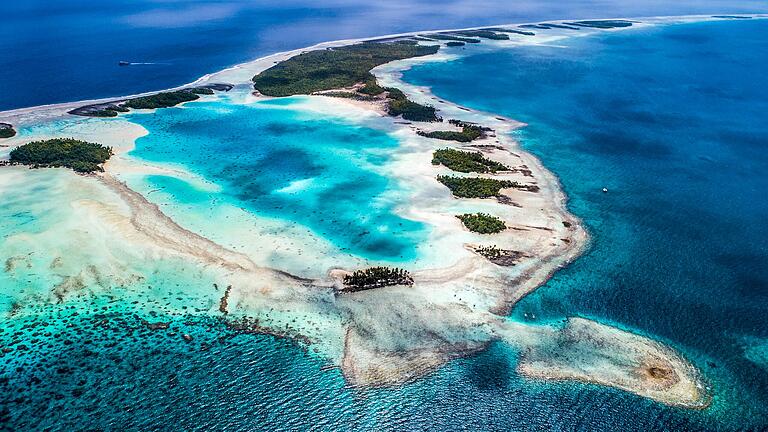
[(588, 351), (163, 231)]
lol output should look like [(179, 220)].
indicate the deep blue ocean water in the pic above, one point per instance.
[(672, 120), (68, 50)]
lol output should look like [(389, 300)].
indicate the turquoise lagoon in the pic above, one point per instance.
[(281, 161), (671, 119)]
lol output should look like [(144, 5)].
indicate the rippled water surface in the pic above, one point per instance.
[(68, 50), (672, 120)]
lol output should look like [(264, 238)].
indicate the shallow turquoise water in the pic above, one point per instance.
[(671, 120), (288, 164)]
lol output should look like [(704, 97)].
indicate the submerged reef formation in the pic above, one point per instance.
[(80, 156), (588, 351)]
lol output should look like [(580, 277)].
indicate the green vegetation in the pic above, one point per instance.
[(482, 223), (446, 37), (490, 252), (6, 130), (465, 161), (372, 88), (78, 155), (333, 68), (469, 132), (118, 108), (485, 34), (422, 39), (502, 257), (201, 90), (349, 95), (560, 26), (460, 136), (162, 100), (336, 68), (505, 30), (401, 105), (601, 24), (454, 44), (376, 277), (110, 111), (474, 187), (106, 112)]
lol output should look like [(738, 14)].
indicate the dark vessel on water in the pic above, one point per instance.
[(124, 63)]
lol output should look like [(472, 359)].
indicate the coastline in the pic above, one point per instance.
[(250, 68), (527, 280)]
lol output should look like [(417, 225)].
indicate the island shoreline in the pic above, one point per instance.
[(24, 115)]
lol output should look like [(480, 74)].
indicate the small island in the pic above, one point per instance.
[(376, 277), (162, 100), (469, 132), (513, 31), (324, 71), (601, 24), (80, 156), (447, 37), (159, 100), (333, 68), (498, 256), (6, 130), (466, 161), (475, 187), (482, 223), (485, 34)]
